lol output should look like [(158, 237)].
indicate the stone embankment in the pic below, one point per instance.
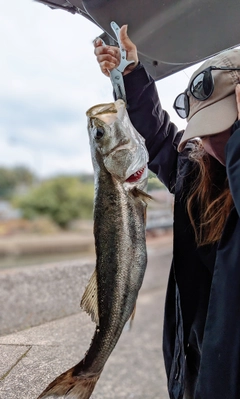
[(43, 331)]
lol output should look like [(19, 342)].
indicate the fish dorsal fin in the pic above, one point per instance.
[(89, 301)]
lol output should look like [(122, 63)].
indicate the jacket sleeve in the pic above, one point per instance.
[(232, 151), (153, 123)]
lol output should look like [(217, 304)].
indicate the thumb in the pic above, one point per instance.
[(127, 44)]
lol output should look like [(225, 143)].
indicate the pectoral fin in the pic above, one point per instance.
[(142, 195), (89, 301)]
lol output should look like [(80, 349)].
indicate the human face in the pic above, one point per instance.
[(215, 145)]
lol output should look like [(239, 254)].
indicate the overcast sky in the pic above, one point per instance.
[(49, 78)]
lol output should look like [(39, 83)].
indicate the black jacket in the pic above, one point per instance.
[(201, 343)]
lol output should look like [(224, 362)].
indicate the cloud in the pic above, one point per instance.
[(49, 78), (16, 112)]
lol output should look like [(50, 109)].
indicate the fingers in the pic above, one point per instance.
[(237, 91), (127, 44), (106, 64), (130, 48), (97, 42), (107, 56), (106, 50)]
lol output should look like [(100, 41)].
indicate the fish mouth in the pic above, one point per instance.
[(136, 176)]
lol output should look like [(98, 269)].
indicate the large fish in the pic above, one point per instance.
[(119, 159)]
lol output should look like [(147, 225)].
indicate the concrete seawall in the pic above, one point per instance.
[(44, 332), (34, 295)]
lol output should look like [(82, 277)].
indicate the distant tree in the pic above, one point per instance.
[(153, 182), (63, 199), (12, 178), (24, 175), (86, 178)]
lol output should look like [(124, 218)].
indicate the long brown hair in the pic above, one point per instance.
[(211, 195)]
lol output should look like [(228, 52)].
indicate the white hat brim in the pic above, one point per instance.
[(213, 119)]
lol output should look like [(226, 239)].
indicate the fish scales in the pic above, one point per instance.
[(121, 254), (119, 159)]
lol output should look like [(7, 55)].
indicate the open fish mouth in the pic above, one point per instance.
[(136, 176)]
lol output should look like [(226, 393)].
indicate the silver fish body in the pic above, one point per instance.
[(119, 159)]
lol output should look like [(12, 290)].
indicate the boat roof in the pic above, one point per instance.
[(170, 35)]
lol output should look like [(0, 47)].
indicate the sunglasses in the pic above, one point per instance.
[(201, 88)]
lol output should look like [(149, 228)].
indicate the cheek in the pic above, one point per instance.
[(207, 146), (215, 148), (215, 145)]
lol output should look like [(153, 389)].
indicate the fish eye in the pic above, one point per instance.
[(99, 132)]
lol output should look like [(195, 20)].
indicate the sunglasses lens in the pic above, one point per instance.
[(202, 85), (181, 105)]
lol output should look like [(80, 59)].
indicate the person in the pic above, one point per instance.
[(201, 166)]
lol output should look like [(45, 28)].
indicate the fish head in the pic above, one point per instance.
[(116, 145)]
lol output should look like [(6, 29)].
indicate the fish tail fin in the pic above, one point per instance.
[(71, 385)]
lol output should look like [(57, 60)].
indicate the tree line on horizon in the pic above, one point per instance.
[(62, 198)]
